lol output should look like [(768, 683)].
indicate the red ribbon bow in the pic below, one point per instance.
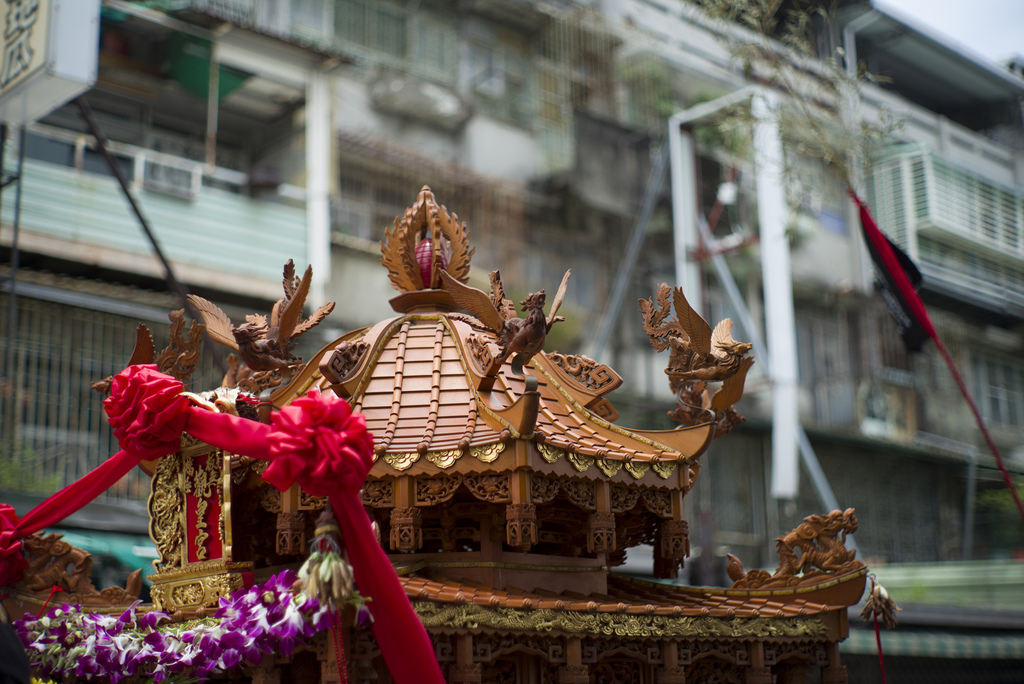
[(320, 443)]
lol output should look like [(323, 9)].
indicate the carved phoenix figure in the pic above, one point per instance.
[(523, 337), (266, 345), (698, 355)]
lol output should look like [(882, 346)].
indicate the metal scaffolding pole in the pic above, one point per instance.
[(682, 197), (636, 240)]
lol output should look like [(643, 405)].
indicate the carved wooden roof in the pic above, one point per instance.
[(425, 380), (415, 378)]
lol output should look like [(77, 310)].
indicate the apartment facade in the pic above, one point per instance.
[(540, 124)]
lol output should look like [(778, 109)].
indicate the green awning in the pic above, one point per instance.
[(131, 550), (934, 645), (188, 59)]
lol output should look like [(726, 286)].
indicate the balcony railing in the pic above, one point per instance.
[(965, 232), (206, 219)]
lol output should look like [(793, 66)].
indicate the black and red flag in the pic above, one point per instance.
[(900, 279)]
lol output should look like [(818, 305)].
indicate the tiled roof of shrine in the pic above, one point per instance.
[(416, 388), (626, 596)]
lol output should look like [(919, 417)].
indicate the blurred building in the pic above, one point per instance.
[(539, 124)]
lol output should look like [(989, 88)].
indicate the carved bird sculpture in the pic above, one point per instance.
[(519, 336), (261, 344), (698, 353)]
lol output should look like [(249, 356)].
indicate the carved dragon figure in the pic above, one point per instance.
[(821, 540), (698, 355), (54, 562), (519, 336)]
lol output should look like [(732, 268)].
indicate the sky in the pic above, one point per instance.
[(993, 29)]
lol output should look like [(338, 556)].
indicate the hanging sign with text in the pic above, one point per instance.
[(50, 55)]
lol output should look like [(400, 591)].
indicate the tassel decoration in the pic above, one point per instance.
[(327, 575), (880, 604)]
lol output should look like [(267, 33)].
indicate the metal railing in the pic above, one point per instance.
[(181, 176), (53, 428)]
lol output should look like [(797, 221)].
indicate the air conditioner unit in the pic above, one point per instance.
[(172, 180)]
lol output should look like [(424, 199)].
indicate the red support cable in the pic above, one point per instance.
[(981, 425)]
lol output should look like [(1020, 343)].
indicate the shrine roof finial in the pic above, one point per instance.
[(423, 242)]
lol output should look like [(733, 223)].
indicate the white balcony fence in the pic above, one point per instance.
[(962, 229)]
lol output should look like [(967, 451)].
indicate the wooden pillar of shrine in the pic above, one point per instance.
[(670, 672), (834, 673), (465, 671), (291, 524), (757, 672), (406, 520), (601, 524), (520, 513), (327, 656), (574, 671)]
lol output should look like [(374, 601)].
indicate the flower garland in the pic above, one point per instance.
[(267, 618)]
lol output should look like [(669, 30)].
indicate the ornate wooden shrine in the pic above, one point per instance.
[(506, 494)]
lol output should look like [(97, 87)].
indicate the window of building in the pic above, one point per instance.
[(394, 36), (827, 364), (999, 389), (817, 193), (312, 18), (500, 80)]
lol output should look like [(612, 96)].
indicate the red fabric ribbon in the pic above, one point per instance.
[(12, 563), (317, 442), (148, 415), (322, 445)]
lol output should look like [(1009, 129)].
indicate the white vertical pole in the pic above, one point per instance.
[(318, 169), (780, 324), (682, 157)]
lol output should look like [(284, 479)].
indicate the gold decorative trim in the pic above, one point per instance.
[(609, 467), (664, 469), (402, 460), (194, 570), (637, 468), (471, 616), (549, 453), (194, 592), (500, 565), (308, 502), (444, 459), (167, 513), (579, 461), (488, 453), (226, 534), (191, 446)]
